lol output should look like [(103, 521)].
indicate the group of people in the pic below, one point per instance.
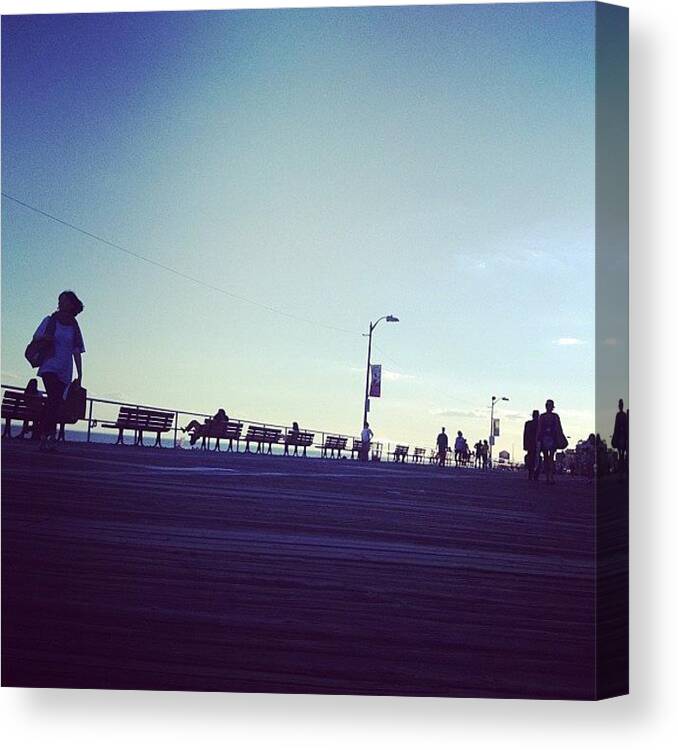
[(542, 436), (463, 456)]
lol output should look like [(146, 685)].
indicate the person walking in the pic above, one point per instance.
[(485, 454), (442, 443), (61, 335), (365, 441), (530, 446), (550, 438)]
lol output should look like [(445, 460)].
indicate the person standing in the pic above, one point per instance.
[(478, 448), (365, 441), (620, 436), (550, 438), (61, 332), (485, 454), (459, 444), (530, 446), (442, 443)]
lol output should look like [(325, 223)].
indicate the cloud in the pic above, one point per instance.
[(462, 413), (566, 341), (391, 375)]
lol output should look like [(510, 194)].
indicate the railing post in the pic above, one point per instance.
[(176, 427), (89, 420)]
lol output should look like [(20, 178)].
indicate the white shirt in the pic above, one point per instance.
[(61, 362), (366, 435)]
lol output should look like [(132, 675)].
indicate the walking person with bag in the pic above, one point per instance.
[(56, 343), (550, 438)]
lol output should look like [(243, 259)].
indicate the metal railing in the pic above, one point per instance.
[(94, 420)]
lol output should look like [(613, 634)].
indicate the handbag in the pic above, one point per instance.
[(74, 404), (41, 349)]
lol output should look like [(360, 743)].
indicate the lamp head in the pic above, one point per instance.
[(392, 319)]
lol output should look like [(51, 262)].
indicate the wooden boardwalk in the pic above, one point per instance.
[(175, 570)]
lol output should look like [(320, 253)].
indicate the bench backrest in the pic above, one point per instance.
[(230, 430), (140, 418), (402, 450), (420, 451), (334, 441), (16, 405), (301, 438), (263, 434)]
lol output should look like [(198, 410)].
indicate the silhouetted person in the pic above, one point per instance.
[(620, 436), (485, 454), (62, 332), (33, 399), (459, 444), (530, 446), (550, 438), (365, 441), (442, 444), (198, 429), (478, 449)]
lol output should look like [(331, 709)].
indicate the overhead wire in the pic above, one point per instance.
[(177, 272)]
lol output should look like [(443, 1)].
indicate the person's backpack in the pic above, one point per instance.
[(40, 350)]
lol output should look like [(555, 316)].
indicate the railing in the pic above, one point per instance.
[(94, 419)]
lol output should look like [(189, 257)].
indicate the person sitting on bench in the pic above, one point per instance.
[(197, 430)]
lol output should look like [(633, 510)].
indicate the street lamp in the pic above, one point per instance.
[(388, 319), (494, 401)]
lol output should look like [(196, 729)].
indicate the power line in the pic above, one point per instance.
[(176, 272)]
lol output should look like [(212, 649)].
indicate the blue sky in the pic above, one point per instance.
[(340, 164)]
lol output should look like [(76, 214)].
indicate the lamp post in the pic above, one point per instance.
[(388, 319), (494, 401)]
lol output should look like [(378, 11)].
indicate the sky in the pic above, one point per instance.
[(434, 162)]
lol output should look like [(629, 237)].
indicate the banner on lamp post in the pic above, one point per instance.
[(495, 428), (375, 384)]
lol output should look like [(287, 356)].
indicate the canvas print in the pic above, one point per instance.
[(315, 350)]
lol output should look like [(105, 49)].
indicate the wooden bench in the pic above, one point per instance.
[(419, 455), (356, 447), (262, 436), (141, 420), (230, 431), (300, 439), (400, 453), (16, 405), (333, 443)]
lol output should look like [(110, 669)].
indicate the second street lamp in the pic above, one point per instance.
[(388, 319), (494, 401)]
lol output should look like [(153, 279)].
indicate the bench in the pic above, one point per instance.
[(419, 455), (400, 453), (300, 439), (375, 449), (141, 420), (333, 443), (16, 405), (356, 447), (262, 436), (230, 431)]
